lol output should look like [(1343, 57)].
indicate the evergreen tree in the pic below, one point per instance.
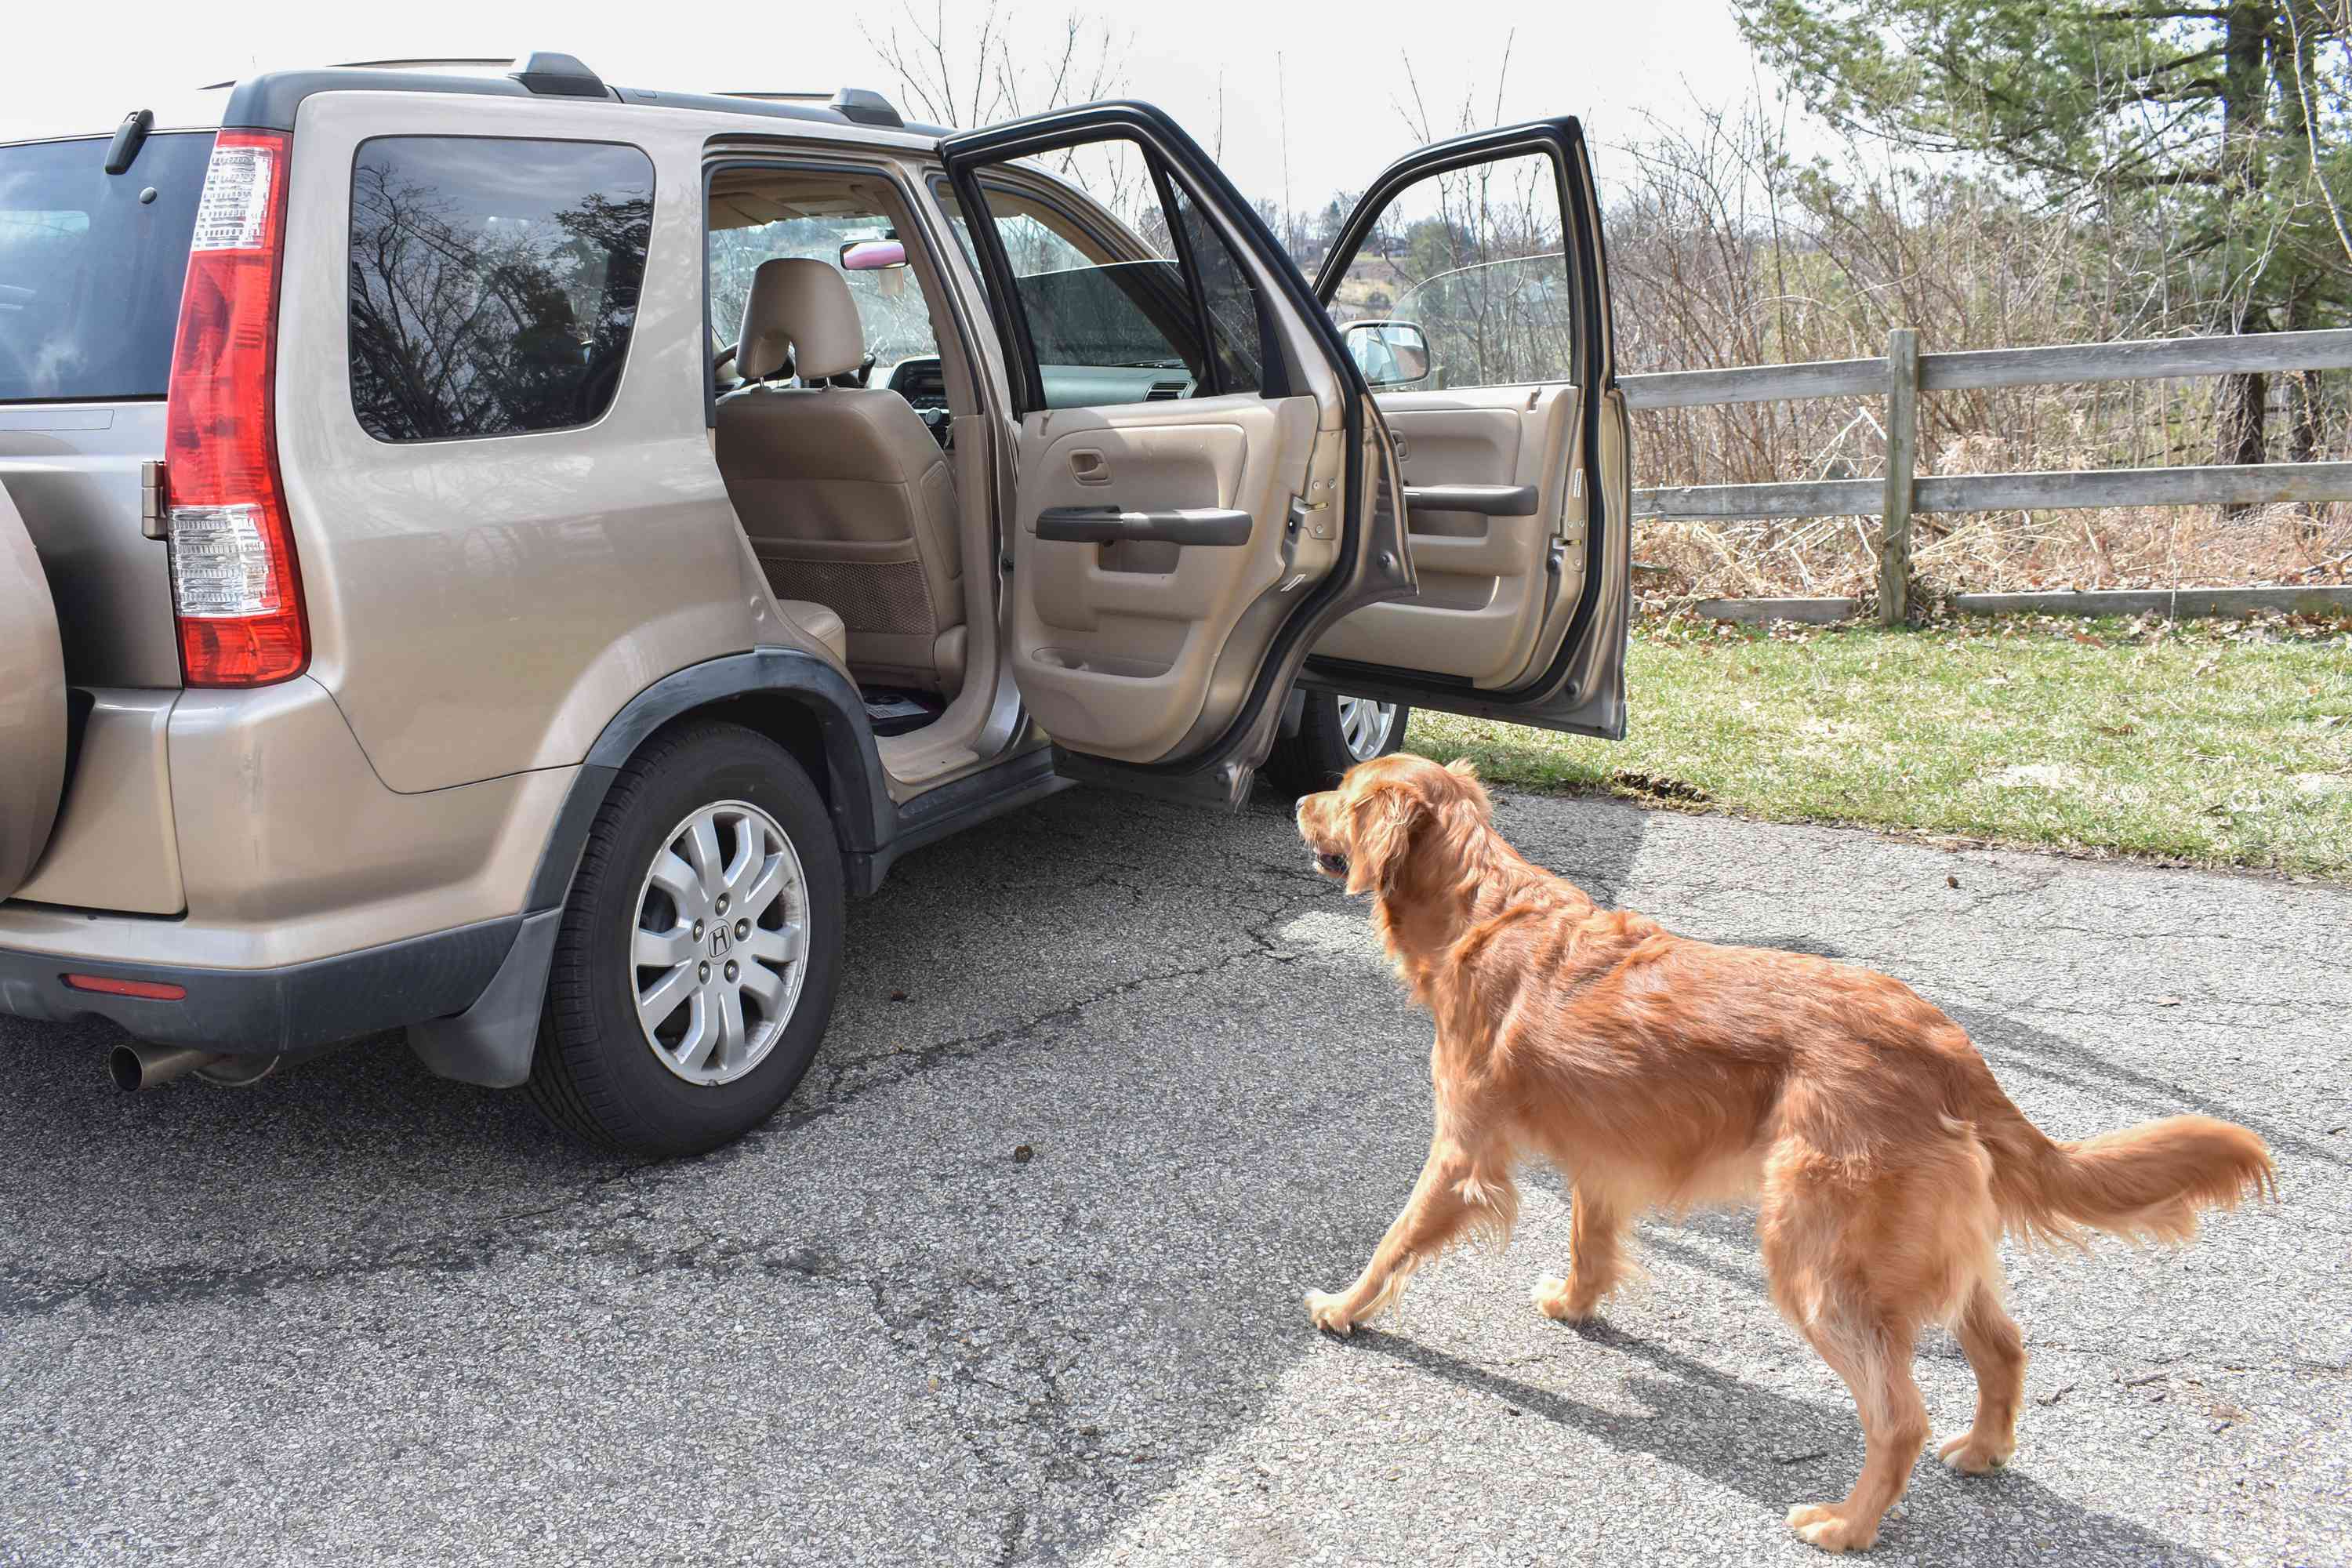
[(2221, 125)]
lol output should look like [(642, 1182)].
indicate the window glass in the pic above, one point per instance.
[(89, 274), (891, 307), (1474, 258), (494, 282), (1105, 291), (1229, 295)]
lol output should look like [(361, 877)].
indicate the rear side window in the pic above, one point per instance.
[(91, 266), (494, 282), (1135, 312)]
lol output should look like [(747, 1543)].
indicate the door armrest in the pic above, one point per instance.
[(1178, 525), (1490, 501)]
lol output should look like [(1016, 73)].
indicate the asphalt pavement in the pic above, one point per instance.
[(357, 1314)]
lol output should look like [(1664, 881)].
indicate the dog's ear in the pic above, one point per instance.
[(1466, 772), (1381, 830)]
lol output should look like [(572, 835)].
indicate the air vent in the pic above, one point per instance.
[(1166, 390)]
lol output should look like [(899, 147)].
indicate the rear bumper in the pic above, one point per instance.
[(263, 1012)]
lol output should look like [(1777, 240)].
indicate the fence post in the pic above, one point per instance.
[(1901, 462)]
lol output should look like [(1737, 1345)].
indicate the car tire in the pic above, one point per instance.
[(1335, 733), (679, 1015)]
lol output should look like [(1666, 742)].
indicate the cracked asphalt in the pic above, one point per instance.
[(358, 1314)]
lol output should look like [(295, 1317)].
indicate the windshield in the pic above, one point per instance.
[(91, 265), (892, 312)]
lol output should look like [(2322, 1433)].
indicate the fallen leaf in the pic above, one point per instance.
[(1951, 881), (1022, 1153), (897, 996)]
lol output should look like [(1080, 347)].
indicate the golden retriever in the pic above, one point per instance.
[(1653, 1071)]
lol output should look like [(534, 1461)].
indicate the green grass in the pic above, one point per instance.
[(2215, 744)]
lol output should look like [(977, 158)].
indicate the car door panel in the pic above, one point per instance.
[(1115, 638), (1518, 615), (1487, 575), (1154, 632)]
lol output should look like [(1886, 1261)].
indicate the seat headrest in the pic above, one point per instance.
[(800, 309)]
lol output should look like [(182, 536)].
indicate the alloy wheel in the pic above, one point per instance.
[(1364, 726), (718, 947)]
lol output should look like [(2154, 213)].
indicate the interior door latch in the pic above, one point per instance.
[(1312, 517)]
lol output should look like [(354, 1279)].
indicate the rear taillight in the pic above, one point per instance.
[(234, 585)]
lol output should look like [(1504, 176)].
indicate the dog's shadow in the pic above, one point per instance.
[(1807, 1453)]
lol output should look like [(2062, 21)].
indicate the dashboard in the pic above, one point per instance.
[(924, 385)]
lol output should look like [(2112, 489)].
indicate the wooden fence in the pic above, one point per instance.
[(1905, 373)]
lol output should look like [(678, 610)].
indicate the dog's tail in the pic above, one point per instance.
[(2143, 1183)]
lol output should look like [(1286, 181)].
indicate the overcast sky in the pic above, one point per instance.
[(82, 67)]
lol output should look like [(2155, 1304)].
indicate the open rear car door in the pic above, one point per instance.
[(1476, 273), (1201, 476)]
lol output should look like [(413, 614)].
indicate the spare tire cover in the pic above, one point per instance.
[(32, 703)]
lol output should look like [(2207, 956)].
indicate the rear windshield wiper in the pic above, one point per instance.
[(129, 137)]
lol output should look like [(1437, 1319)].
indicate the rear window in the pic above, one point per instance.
[(494, 282), (91, 266)]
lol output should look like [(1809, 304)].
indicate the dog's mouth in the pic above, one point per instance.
[(1330, 862)]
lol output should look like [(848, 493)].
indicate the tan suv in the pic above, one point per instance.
[(506, 557)]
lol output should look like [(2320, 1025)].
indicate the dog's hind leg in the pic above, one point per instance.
[(1818, 1258), (1596, 1260), (1455, 1193), (1872, 1355), (1997, 1352)]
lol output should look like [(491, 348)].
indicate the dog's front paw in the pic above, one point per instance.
[(1327, 1313), (1973, 1455), (1556, 1297)]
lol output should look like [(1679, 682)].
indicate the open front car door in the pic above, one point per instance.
[(1471, 288), (1202, 482)]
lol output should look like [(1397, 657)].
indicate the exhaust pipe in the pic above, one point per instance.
[(138, 1065)]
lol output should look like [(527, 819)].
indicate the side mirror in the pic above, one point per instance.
[(1390, 353), (872, 255)]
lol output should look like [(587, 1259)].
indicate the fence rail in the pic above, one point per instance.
[(1904, 373)]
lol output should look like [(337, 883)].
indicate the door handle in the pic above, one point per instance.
[(1493, 501), (1175, 525), (1087, 467)]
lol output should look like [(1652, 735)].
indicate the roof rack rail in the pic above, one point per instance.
[(558, 76), (426, 64), (860, 105)]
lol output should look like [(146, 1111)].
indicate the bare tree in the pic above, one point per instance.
[(964, 74)]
